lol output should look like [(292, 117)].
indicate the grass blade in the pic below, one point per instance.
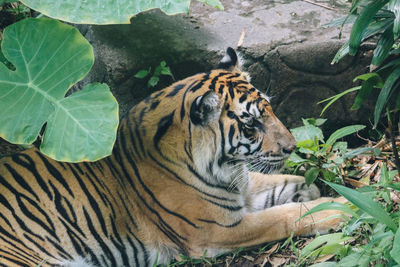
[(384, 94), (330, 206), (365, 204), (343, 132), (334, 98)]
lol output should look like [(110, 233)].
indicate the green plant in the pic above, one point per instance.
[(373, 230), (108, 12), (370, 18), (49, 57), (322, 158), (160, 70)]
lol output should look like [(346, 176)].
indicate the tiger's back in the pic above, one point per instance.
[(177, 182)]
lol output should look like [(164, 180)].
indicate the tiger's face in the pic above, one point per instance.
[(237, 122)]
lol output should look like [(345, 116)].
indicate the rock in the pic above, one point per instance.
[(286, 51)]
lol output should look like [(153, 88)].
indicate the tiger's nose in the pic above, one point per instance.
[(288, 149)]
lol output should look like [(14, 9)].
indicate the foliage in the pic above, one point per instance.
[(161, 69), (320, 158), (49, 57), (370, 18), (107, 11), (373, 231)]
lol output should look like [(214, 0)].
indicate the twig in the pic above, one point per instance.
[(394, 147), (241, 39), (318, 4)]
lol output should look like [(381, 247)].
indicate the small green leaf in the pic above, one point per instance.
[(385, 94), (324, 245), (166, 71), (141, 74), (342, 132), (311, 174), (296, 158), (163, 63), (362, 22), (383, 47), (307, 132), (365, 204), (153, 81), (395, 252)]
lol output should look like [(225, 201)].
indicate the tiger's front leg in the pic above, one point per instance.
[(266, 191), (272, 224)]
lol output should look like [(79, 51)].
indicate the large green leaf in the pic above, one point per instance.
[(383, 47), (365, 204), (374, 28), (362, 22), (395, 252), (49, 58), (385, 93), (394, 6), (108, 11), (371, 80)]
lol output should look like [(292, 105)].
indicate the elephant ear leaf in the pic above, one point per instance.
[(49, 57), (108, 11)]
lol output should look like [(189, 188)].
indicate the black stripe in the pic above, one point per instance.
[(230, 89), (243, 98), (31, 166), (137, 135), (98, 239), (62, 210), (154, 105), (230, 208), (140, 197), (49, 227), (55, 173), (222, 225), (92, 200), (192, 186), (175, 90), (39, 246), (162, 128), (82, 249), (119, 245), (206, 76), (20, 180), (150, 193), (16, 262), (193, 171), (184, 98)]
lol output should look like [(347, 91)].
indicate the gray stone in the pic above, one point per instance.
[(286, 51)]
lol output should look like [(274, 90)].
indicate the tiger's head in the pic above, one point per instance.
[(217, 124)]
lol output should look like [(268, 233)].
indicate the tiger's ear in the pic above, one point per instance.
[(205, 109), (230, 60)]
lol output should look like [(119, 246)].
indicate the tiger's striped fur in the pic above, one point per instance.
[(177, 182)]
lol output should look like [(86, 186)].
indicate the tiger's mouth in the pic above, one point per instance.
[(267, 165)]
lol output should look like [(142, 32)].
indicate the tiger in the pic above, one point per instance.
[(194, 168)]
